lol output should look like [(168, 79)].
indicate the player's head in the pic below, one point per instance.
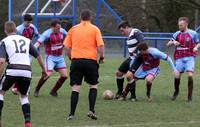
[(27, 19), (9, 27), (143, 48), (55, 25), (85, 15), (125, 28), (183, 23)]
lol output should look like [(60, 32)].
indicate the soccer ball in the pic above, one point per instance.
[(108, 95)]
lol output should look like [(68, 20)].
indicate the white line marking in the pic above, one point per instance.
[(144, 124)]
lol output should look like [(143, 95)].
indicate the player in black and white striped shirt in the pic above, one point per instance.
[(135, 36), (15, 50)]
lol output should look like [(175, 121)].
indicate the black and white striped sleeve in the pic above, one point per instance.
[(139, 36)]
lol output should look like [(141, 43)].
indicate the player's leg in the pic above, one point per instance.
[(134, 65), (60, 81), (24, 87), (190, 86), (1, 103), (150, 76), (120, 82), (180, 68), (6, 83), (15, 88), (61, 68), (91, 77), (92, 101), (124, 67), (190, 64), (76, 76), (149, 80), (49, 65), (131, 86)]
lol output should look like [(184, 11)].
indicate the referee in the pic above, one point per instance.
[(84, 43)]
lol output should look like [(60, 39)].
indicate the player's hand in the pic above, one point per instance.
[(101, 60), (195, 49), (170, 43), (176, 43), (44, 74)]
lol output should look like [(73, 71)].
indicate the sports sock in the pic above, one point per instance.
[(59, 83), (40, 83), (27, 112), (92, 98), (176, 85), (1, 107), (74, 101), (190, 87), (148, 86), (126, 90), (132, 89), (120, 82)]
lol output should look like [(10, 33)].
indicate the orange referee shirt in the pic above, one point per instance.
[(83, 39)]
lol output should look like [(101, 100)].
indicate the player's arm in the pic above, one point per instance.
[(19, 30), (2, 58), (101, 53), (100, 46), (172, 41), (195, 49), (68, 52), (41, 39), (34, 52), (2, 63), (139, 36), (36, 33), (197, 41), (165, 57), (68, 44)]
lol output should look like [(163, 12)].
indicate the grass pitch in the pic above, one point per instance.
[(49, 111)]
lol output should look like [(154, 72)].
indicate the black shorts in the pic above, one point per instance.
[(124, 67), (136, 64), (84, 68), (22, 83)]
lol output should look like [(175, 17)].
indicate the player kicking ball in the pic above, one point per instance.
[(149, 68)]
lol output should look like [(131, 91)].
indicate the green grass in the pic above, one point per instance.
[(49, 111)]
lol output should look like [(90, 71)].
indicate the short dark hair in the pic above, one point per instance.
[(10, 27), (28, 17), (54, 22), (186, 19), (85, 15), (142, 46), (124, 24)]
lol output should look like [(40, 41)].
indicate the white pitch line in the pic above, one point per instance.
[(144, 124)]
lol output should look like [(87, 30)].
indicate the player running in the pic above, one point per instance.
[(15, 50), (54, 60)]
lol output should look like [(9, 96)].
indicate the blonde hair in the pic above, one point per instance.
[(10, 27)]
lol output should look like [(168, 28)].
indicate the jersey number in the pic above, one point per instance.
[(20, 46)]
